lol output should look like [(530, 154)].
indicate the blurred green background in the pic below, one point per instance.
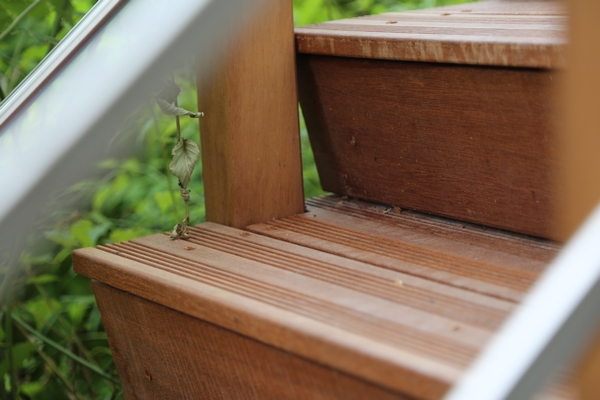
[(52, 343)]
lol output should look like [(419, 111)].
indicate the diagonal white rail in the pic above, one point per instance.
[(91, 22), (555, 323), (59, 123)]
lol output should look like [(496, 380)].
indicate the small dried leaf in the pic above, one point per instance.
[(170, 109), (175, 232), (185, 155), (180, 231), (169, 92)]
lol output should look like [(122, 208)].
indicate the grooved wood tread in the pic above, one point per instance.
[(398, 299), (501, 33)]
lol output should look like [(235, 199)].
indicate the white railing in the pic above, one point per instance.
[(556, 322), (59, 123)]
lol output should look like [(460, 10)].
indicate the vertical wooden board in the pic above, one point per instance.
[(250, 132), (589, 372), (580, 143), (580, 136), (161, 353), (472, 143)]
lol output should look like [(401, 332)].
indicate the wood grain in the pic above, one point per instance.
[(476, 144), (589, 371), (528, 34), (580, 138), (580, 142), (250, 133), (280, 313), (449, 252), (410, 327), (164, 354)]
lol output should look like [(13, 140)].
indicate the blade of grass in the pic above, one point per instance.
[(70, 333), (9, 350), (18, 19), (60, 348), (51, 364)]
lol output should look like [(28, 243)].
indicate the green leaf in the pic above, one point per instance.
[(164, 200), (21, 351), (41, 279), (80, 230), (31, 388), (185, 155), (87, 233), (42, 310)]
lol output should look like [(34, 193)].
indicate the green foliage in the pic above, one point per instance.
[(52, 343), (23, 46), (314, 11)]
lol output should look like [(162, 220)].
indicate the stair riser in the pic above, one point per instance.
[(472, 143)]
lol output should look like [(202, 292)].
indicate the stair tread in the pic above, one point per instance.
[(499, 33), (393, 325)]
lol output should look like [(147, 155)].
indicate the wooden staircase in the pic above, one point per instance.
[(435, 129)]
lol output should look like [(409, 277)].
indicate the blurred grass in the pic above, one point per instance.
[(52, 343)]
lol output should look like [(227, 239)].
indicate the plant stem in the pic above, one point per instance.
[(166, 162), (187, 211), (18, 19), (70, 333), (58, 347), (13, 265), (177, 121), (51, 364), (9, 350)]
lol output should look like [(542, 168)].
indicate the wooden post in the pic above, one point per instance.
[(581, 146), (250, 133), (581, 133)]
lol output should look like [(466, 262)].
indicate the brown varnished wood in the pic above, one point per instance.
[(512, 34), (392, 326), (580, 142), (164, 354), (450, 252), (589, 371), (580, 138), (471, 143), (329, 334), (250, 136)]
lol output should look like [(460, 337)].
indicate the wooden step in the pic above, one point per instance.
[(448, 111), (444, 115), (400, 313), (530, 34)]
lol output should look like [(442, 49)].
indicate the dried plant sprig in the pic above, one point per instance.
[(185, 153)]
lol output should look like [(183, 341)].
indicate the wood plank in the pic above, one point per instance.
[(589, 371), (476, 144), (398, 332), (580, 142), (484, 33), (502, 266), (579, 139), (250, 132), (363, 342), (164, 354)]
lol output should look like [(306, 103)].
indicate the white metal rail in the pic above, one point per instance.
[(60, 121), (555, 323)]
